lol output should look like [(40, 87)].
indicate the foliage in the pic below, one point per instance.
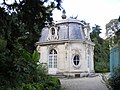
[(25, 20), (115, 79), (105, 80), (52, 83), (112, 25), (113, 82), (35, 86), (18, 70), (20, 26), (101, 50), (32, 75), (111, 29)]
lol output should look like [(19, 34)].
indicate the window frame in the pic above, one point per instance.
[(52, 60), (53, 31), (77, 65)]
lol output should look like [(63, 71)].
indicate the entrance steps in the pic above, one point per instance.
[(58, 75), (93, 74), (61, 75)]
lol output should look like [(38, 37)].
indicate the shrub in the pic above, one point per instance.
[(35, 86), (115, 79), (52, 83), (113, 82), (101, 67), (27, 74), (106, 81)]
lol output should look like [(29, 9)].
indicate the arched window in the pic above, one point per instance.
[(76, 60), (52, 58)]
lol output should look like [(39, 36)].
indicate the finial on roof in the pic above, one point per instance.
[(63, 14)]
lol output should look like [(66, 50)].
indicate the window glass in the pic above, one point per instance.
[(52, 58), (53, 31), (76, 60), (53, 51)]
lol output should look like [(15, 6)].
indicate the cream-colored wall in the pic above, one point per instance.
[(61, 55), (91, 48), (92, 58), (65, 53), (43, 54), (61, 58), (78, 48)]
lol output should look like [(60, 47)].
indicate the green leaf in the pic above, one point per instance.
[(35, 56), (26, 55)]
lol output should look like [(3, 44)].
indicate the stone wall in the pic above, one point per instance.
[(65, 54)]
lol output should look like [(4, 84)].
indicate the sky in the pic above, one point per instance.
[(98, 12)]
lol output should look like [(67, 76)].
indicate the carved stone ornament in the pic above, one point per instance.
[(52, 47), (76, 51), (53, 33), (66, 46), (38, 48)]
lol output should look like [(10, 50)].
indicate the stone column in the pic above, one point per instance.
[(118, 35)]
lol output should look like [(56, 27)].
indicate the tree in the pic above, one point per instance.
[(30, 17), (20, 26), (101, 50), (111, 29), (112, 25)]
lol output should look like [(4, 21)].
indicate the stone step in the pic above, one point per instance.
[(93, 75)]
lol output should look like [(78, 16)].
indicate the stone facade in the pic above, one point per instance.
[(65, 47)]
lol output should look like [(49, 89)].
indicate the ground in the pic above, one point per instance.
[(86, 83)]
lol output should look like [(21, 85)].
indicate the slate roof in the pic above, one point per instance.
[(69, 29)]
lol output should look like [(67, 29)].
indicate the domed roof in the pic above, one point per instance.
[(63, 30)]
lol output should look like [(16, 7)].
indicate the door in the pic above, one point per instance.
[(52, 62)]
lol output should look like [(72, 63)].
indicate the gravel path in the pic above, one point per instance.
[(87, 83)]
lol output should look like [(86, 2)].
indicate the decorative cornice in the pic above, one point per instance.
[(59, 42), (65, 41)]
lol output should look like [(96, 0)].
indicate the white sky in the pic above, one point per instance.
[(98, 12)]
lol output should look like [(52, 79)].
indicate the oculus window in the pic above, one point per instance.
[(76, 60)]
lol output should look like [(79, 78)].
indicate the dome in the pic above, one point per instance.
[(63, 30)]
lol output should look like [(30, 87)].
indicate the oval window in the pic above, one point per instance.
[(76, 60)]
